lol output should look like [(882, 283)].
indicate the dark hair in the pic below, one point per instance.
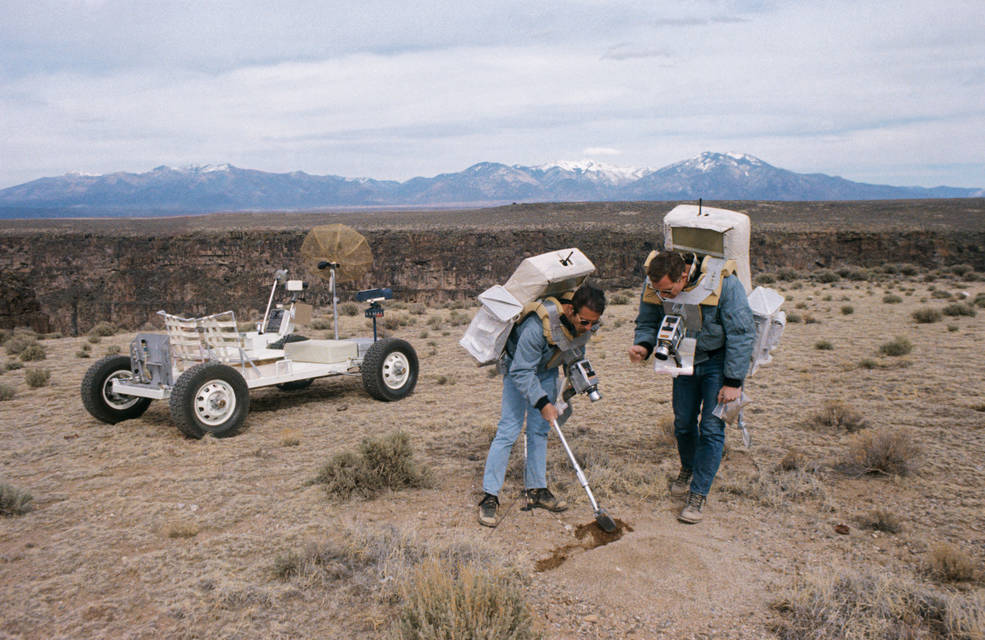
[(588, 296), (667, 264)]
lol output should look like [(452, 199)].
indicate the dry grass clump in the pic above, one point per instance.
[(927, 315), (847, 310), (778, 488), (441, 600), (7, 392), (886, 451), (381, 464), (961, 269), (14, 501), (103, 330), (18, 341), (900, 346), (892, 298), (37, 377), (457, 589), (841, 415), (955, 309), (826, 275), (824, 345), (881, 520), (349, 308), (181, 529), (33, 353), (13, 365), (842, 604), (948, 563), (979, 300)]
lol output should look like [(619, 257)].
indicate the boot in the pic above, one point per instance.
[(691, 514)]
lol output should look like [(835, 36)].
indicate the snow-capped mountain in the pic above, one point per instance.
[(223, 187)]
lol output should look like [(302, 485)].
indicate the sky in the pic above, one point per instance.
[(880, 92)]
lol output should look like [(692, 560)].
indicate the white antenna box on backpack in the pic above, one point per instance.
[(547, 274), (707, 231)]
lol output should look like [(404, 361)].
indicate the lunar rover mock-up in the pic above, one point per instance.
[(204, 367)]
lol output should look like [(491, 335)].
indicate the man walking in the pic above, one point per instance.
[(724, 342)]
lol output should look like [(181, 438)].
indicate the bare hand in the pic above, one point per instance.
[(637, 353), (728, 394), (549, 412)]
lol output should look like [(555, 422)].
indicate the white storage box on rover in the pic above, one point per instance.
[(716, 232), (321, 351)]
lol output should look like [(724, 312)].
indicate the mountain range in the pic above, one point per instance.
[(168, 191)]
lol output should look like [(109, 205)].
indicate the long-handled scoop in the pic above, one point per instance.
[(601, 517)]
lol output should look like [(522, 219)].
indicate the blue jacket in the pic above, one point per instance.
[(527, 354), (728, 326)]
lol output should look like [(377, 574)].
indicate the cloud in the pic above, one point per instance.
[(601, 151)]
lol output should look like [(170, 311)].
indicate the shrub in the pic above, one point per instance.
[(947, 563), (18, 342), (381, 464), (321, 324), (810, 319), (7, 392), (765, 278), (103, 330), (823, 345), (961, 269), (881, 520), (826, 275), (847, 309), (37, 377), (839, 603), (441, 600), (979, 300), (794, 318), (940, 294), (33, 353), (956, 309), (868, 363), (81, 353), (891, 452), (926, 315), (94, 339), (348, 308), (953, 327), (13, 365), (14, 501), (892, 299), (898, 347), (787, 274), (840, 415), (908, 269), (112, 349), (619, 298)]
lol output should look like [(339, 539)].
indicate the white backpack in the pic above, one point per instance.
[(548, 274)]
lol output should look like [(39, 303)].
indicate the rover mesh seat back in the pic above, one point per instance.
[(714, 232)]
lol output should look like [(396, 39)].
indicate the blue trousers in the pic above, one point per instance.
[(700, 443), (515, 409)]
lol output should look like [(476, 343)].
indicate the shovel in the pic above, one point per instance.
[(601, 517)]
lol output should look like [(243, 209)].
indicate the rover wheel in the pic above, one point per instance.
[(390, 369), (295, 385), (97, 391), (210, 398)]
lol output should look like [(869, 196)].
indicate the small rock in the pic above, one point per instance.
[(842, 529), (592, 618)]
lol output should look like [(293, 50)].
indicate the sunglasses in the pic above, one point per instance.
[(586, 323)]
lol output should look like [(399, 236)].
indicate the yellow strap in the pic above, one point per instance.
[(650, 294)]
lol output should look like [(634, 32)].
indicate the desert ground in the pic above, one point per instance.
[(135, 531)]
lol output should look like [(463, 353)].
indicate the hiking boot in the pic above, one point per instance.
[(680, 486), (691, 513), (487, 510), (544, 499)]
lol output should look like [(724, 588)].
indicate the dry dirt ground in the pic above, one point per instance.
[(138, 532)]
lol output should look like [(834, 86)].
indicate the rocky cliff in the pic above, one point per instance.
[(69, 276)]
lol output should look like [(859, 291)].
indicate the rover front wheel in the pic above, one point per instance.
[(390, 369), (210, 398), (97, 391)]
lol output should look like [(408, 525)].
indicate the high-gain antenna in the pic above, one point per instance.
[(566, 261)]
